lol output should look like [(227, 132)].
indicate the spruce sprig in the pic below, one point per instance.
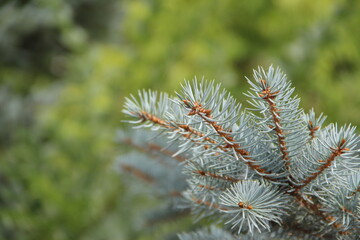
[(272, 168)]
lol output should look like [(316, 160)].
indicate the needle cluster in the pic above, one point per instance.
[(271, 171)]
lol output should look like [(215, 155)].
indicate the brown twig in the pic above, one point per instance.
[(335, 153), (159, 121), (156, 120), (152, 118), (269, 97)]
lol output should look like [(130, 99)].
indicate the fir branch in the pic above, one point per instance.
[(146, 112), (196, 108), (243, 168), (175, 127), (230, 142), (336, 201), (269, 96), (281, 121), (335, 152)]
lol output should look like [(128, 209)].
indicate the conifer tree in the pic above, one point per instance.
[(271, 171)]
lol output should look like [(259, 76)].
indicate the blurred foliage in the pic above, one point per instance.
[(66, 66), (37, 36)]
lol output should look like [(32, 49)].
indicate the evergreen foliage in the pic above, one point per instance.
[(67, 65), (268, 172)]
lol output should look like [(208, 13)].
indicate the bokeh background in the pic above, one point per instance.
[(66, 66)]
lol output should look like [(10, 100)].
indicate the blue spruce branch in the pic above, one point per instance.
[(267, 172)]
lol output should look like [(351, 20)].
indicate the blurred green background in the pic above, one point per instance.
[(66, 66)]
